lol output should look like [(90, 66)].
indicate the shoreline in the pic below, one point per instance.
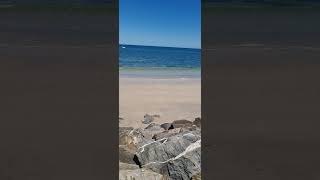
[(172, 96), (160, 73)]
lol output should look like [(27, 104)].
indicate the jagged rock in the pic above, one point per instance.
[(132, 138), (166, 134), (151, 130), (133, 172), (177, 157), (181, 123), (167, 126), (123, 135), (196, 177), (197, 122), (154, 127), (126, 155), (188, 128)]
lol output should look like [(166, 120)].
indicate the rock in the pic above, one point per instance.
[(126, 155), (197, 122), (188, 128), (154, 127), (124, 129), (181, 123), (151, 130), (123, 135), (147, 119), (166, 134), (132, 138), (196, 177), (132, 172), (167, 126), (177, 157)]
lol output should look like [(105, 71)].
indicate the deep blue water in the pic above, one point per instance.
[(147, 57)]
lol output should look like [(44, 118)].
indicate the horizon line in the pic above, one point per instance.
[(159, 46)]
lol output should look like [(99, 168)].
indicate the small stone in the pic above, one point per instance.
[(167, 126), (147, 119), (197, 122)]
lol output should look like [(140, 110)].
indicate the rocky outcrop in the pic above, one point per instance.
[(196, 177), (166, 134), (170, 151), (178, 157), (132, 138), (181, 123)]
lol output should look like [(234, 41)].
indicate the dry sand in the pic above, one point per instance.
[(172, 99)]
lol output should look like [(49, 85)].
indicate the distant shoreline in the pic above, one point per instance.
[(160, 73)]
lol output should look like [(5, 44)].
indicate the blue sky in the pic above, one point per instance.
[(171, 23)]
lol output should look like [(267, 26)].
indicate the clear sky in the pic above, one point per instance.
[(170, 23)]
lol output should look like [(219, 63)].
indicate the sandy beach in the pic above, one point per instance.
[(171, 98)]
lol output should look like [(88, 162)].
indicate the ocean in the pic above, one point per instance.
[(159, 61)]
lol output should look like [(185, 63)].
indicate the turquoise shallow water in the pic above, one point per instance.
[(159, 62)]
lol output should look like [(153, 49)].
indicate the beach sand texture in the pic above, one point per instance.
[(172, 99)]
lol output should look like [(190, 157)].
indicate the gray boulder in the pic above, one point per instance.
[(196, 177), (178, 157), (151, 130), (166, 134), (132, 138), (181, 123), (154, 127), (189, 128)]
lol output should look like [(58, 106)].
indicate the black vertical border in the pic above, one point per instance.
[(260, 102), (59, 94)]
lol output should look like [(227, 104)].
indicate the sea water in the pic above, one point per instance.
[(159, 61)]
